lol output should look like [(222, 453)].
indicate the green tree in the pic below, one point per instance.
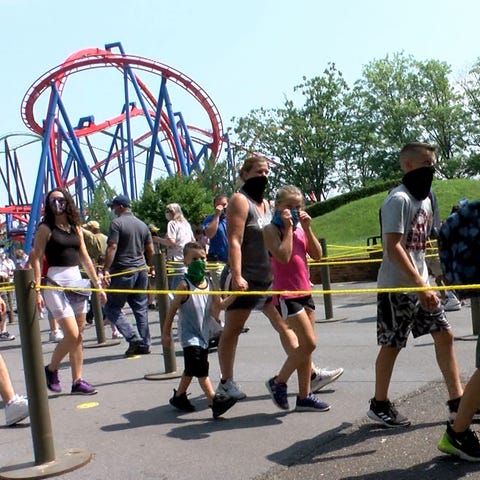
[(97, 209), (194, 199), (302, 142)]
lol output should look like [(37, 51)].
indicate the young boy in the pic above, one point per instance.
[(194, 331)]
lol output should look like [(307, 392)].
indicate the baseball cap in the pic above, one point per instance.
[(121, 200), (93, 224)]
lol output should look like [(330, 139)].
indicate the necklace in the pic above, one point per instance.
[(66, 228)]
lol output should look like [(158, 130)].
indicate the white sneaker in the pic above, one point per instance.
[(452, 303), (55, 336), (116, 335), (231, 389), (324, 377), (16, 410)]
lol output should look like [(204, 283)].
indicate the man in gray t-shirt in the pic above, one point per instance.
[(129, 252), (406, 219)]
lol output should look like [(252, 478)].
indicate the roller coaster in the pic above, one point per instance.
[(143, 136)]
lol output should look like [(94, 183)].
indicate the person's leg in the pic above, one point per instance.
[(114, 309), (227, 347), (383, 371), (207, 387), (139, 304), (67, 345), (16, 406), (447, 362), (6, 388), (469, 403), (300, 357), (287, 335), (183, 385), (76, 354)]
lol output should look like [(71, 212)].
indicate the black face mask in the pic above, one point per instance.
[(255, 188), (419, 182)]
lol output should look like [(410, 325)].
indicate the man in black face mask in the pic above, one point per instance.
[(406, 219)]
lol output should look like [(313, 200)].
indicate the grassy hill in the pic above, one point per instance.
[(353, 223)]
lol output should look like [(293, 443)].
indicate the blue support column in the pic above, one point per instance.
[(130, 155), (38, 192), (155, 142), (178, 146), (82, 164), (188, 142)]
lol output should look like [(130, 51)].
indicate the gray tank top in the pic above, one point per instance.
[(256, 266)]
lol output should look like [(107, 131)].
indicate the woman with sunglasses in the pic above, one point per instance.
[(60, 238)]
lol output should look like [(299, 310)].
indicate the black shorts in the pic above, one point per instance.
[(196, 362), (246, 302), (288, 307)]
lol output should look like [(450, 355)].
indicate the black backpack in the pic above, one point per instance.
[(459, 248)]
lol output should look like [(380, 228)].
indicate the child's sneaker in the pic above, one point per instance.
[(322, 377), (181, 402), (464, 445), (278, 391), (53, 382), (384, 412), (222, 403), (82, 387), (16, 410), (311, 403)]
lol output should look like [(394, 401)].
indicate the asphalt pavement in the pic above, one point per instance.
[(133, 433)]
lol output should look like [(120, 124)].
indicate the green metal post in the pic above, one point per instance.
[(161, 283), (98, 316), (43, 446), (325, 272)]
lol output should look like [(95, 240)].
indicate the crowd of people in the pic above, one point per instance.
[(252, 247)]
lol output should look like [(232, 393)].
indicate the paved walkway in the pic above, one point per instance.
[(135, 434)]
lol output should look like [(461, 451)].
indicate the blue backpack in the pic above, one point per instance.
[(459, 248)]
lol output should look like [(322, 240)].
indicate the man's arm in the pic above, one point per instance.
[(401, 259), (212, 227), (148, 252)]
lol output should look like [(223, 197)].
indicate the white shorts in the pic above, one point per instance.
[(60, 303)]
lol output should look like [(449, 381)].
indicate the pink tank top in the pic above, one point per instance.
[(293, 275)]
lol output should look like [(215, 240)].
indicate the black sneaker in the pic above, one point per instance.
[(222, 403), (464, 445), (136, 348), (278, 392), (181, 402), (386, 414), (453, 409)]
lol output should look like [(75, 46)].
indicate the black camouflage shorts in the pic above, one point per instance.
[(398, 314)]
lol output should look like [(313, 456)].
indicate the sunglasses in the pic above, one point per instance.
[(59, 200)]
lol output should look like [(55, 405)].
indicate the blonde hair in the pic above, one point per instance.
[(288, 191), (177, 211), (250, 162)]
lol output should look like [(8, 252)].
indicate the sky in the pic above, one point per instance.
[(245, 54)]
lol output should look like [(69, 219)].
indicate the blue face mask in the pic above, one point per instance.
[(277, 219)]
